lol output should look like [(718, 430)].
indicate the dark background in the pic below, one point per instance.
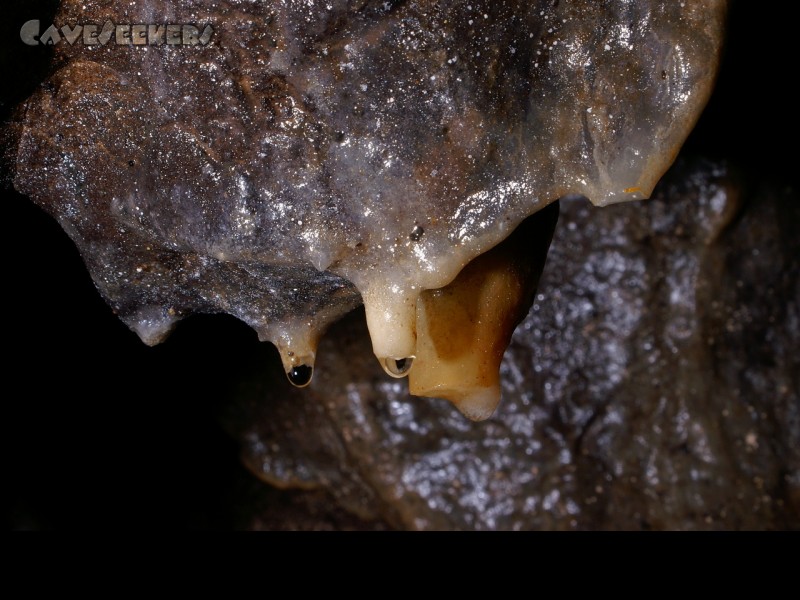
[(104, 432)]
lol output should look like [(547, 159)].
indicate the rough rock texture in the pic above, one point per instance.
[(267, 173), (679, 409), (654, 385)]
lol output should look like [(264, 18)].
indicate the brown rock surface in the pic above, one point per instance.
[(653, 385), (279, 170)]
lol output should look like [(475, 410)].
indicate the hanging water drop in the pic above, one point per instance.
[(300, 376), (398, 367)]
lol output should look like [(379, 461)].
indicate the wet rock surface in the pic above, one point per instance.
[(653, 385), (140, 443), (676, 410), (280, 170)]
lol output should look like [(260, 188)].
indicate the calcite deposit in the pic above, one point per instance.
[(312, 156), (655, 384)]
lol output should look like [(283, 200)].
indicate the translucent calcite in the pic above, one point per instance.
[(314, 155)]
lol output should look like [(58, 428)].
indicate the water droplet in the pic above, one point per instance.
[(398, 367), (300, 376), (416, 233)]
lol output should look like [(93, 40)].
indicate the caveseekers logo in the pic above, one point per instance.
[(91, 34)]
